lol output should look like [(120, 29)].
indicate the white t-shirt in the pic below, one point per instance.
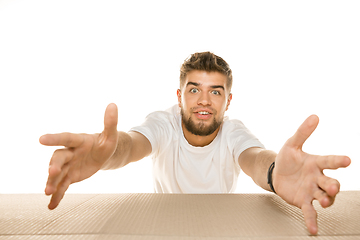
[(179, 167)]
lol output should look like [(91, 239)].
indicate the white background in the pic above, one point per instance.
[(62, 62)]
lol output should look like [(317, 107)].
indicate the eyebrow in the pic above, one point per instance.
[(198, 84)]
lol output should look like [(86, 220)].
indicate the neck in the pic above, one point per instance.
[(199, 141)]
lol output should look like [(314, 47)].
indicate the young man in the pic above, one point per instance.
[(196, 150)]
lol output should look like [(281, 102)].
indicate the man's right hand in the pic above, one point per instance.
[(83, 155)]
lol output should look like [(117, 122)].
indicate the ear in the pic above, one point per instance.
[(228, 102), (178, 92)]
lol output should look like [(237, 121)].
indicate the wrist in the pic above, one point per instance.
[(270, 177)]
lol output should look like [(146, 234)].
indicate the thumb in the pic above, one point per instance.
[(110, 121), (304, 132)]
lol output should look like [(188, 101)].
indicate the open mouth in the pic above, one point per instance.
[(203, 115)]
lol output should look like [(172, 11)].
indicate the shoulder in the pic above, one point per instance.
[(239, 137), (236, 130), (160, 127), (230, 125), (168, 116), (163, 122)]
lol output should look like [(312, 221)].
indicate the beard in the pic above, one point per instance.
[(200, 129)]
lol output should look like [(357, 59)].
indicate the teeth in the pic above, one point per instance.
[(203, 113)]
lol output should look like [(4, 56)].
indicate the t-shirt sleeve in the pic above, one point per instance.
[(156, 128), (240, 138)]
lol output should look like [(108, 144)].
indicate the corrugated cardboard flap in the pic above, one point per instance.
[(172, 216)]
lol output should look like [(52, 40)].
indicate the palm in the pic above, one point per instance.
[(298, 176), (88, 157)]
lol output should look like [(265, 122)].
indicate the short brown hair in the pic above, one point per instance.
[(205, 61)]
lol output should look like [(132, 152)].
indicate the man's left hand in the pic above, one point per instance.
[(298, 177)]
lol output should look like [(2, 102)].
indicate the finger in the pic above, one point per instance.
[(56, 169), (53, 181), (310, 217), (304, 132), (333, 162), (110, 122), (324, 199), (62, 139), (329, 185), (59, 194), (60, 158)]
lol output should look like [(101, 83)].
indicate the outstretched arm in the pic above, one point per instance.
[(298, 177)]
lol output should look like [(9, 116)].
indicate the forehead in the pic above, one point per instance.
[(206, 79)]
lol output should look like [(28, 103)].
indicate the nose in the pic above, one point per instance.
[(204, 99)]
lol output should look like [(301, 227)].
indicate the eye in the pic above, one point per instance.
[(194, 90), (215, 92)]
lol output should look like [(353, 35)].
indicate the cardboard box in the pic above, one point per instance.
[(172, 216)]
